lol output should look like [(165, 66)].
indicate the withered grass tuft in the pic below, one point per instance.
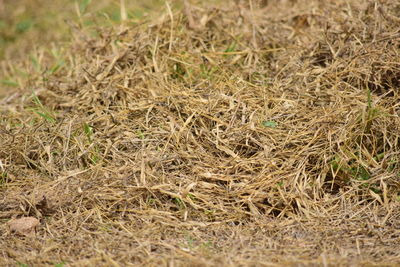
[(240, 135)]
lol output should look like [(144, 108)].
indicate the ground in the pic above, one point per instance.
[(238, 133)]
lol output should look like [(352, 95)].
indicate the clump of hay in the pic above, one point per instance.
[(239, 117)]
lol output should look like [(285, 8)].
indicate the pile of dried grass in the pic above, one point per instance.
[(228, 135)]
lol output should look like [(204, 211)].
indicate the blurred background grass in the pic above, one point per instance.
[(25, 24)]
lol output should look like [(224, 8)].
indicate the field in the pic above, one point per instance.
[(208, 133)]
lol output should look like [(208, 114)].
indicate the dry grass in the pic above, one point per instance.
[(241, 135)]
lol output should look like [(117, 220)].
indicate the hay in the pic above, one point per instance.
[(266, 133)]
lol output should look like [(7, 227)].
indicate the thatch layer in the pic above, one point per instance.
[(225, 135)]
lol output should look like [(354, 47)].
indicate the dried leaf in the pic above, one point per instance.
[(42, 205), (23, 226)]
